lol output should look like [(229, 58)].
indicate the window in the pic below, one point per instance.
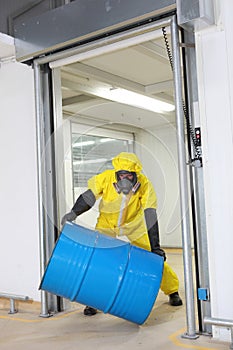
[(92, 153)]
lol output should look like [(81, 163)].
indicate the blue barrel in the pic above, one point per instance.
[(103, 272)]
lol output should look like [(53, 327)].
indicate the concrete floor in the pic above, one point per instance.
[(71, 330)]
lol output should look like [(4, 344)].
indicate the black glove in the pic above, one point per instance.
[(84, 202), (153, 231), (160, 251), (71, 216)]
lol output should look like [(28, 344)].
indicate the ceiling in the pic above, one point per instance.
[(142, 68)]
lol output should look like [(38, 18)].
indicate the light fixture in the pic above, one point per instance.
[(106, 139), (83, 143), (141, 101), (133, 99), (90, 161), (125, 96)]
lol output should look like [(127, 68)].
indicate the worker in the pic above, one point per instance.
[(127, 208)]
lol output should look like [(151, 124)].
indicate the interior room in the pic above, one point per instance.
[(100, 78)]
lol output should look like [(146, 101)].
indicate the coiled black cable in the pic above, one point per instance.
[(186, 115)]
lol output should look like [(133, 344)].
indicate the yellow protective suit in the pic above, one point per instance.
[(123, 215)]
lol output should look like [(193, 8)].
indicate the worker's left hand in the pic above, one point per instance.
[(71, 216), (160, 252)]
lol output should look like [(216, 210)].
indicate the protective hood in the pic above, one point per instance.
[(127, 161)]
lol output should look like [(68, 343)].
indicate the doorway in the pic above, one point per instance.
[(125, 86), (129, 90)]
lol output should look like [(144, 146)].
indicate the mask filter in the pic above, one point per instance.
[(124, 186)]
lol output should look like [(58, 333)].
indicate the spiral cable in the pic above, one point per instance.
[(167, 47), (186, 115)]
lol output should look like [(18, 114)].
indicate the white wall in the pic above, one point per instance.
[(157, 149), (215, 82), (19, 248)]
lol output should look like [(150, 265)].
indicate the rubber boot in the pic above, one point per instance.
[(174, 299), (89, 311)]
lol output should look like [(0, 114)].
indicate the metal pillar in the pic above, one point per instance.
[(196, 173), (40, 172), (46, 180), (183, 180)]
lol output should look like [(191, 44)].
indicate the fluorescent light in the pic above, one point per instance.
[(125, 96), (90, 161), (106, 139), (138, 100), (83, 143)]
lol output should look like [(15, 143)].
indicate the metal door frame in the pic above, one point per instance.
[(46, 176)]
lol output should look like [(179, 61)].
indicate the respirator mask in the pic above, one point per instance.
[(126, 182)]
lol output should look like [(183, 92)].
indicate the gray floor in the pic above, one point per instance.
[(72, 330)]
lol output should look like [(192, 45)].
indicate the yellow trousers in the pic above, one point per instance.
[(170, 281)]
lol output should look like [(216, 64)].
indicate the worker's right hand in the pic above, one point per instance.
[(71, 216), (159, 251)]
